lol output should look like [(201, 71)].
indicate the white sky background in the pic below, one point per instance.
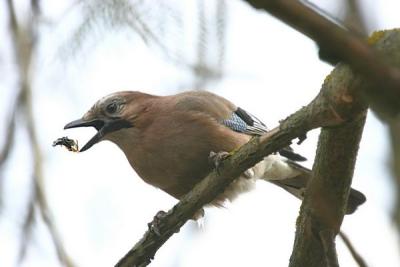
[(102, 208)]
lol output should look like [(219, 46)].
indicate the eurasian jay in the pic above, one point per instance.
[(168, 139)]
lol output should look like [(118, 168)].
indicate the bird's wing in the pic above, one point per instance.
[(244, 122), (226, 113)]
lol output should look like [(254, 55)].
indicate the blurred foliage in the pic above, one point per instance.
[(196, 43), (162, 25)]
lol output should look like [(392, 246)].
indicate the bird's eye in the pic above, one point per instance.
[(111, 108)]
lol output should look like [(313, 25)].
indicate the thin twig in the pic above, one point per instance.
[(24, 40), (10, 130), (39, 197), (6, 149), (8, 138), (356, 256), (27, 229), (354, 18)]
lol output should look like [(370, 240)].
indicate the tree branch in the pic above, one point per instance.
[(338, 103), (24, 42), (347, 47), (328, 243), (325, 200), (360, 261)]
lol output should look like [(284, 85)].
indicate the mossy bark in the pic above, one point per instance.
[(325, 199)]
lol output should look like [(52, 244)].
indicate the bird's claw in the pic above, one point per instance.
[(154, 225), (302, 138), (217, 158), (249, 173)]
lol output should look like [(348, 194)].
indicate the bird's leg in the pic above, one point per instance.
[(217, 158), (154, 225)]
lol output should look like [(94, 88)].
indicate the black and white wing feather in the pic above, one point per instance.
[(243, 122)]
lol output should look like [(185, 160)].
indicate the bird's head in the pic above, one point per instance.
[(111, 114)]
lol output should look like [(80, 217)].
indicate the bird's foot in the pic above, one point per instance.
[(302, 138), (249, 173), (154, 225), (217, 158), (198, 215)]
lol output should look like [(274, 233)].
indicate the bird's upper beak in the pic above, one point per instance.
[(102, 125)]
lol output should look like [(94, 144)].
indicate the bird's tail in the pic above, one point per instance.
[(296, 186)]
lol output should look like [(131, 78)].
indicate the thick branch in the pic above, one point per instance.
[(338, 102), (326, 196), (334, 105), (328, 244), (346, 47)]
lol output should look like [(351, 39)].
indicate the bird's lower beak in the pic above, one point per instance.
[(98, 124), (103, 126)]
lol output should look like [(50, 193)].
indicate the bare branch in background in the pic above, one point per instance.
[(24, 39), (354, 18), (221, 30), (38, 195), (356, 256), (160, 25), (207, 66), (394, 130), (347, 48), (9, 138), (200, 68), (7, 147), (116, 15), (353, 50), (10, 132), (27, 230)]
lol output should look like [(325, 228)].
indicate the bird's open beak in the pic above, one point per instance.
[(103, 127)]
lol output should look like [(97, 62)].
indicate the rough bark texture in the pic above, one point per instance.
[(325, 199)]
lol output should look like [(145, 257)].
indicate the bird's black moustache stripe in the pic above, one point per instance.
[(114, 125)]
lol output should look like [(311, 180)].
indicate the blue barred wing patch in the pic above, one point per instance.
[(243, 122), (235, 123)]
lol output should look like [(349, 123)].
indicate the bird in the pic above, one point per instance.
[(167, 140)]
